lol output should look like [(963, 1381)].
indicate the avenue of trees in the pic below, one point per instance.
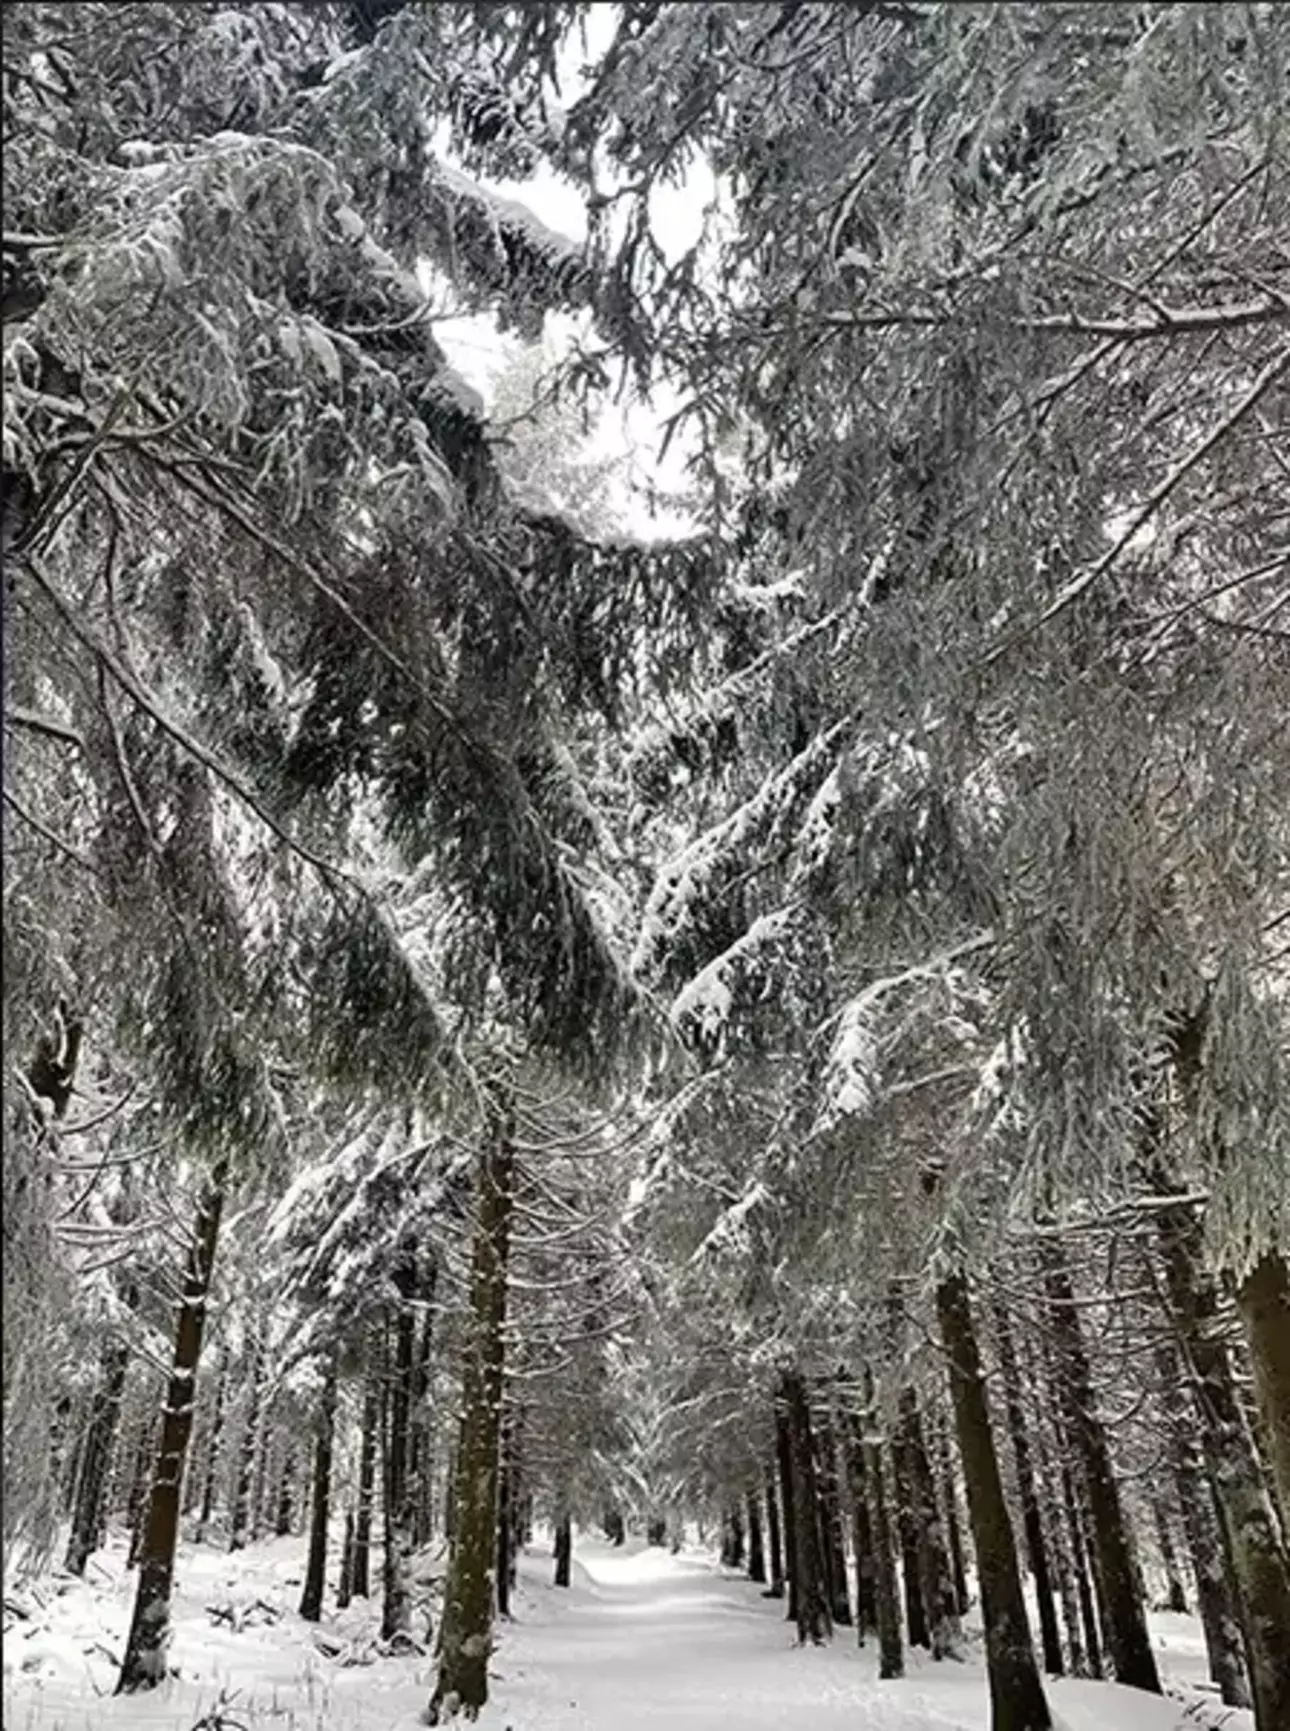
[(786, 1027)]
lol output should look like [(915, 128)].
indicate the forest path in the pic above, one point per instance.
[(644, 1639)]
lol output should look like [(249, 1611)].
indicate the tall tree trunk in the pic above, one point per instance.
[(732, 1536), (140, 1486), (1211, 1566), (936, 1578), (144, 1664), (311, 1599), (396, 1613), (907, 1531), (834, 1543), (1259, 1560), (1124, 1626), (361, 1584), (1017, 1698), (810, 1581), (1032, 1524), (1084, 1585), (284, 1514), (506, 1491), (861, 1533), (891, 1656), (240, 1525), (96, 1456), (216, 1438), (774, 1537), (1175, 1598), (1263, 1298), (784, 1461), (756, 1544), (345, 1580), (462, 1682), (563, 1549), (953, 1525), (418, 1417)]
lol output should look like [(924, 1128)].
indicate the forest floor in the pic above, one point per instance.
[(642, 1640)]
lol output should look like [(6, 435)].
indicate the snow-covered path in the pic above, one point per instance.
[(642, 1640)]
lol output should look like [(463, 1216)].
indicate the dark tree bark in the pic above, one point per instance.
[(465, 1638), (861, 1534), (396, 1611), (361, 1584), (1084, 1585), (1124, 1626), (776, 1588), (834, 1544), (240, 1523), (144, 1663), (784, 1462), (1263, 1298), (1017, 1697), (419, 1434), (907, 1534), (810, 1580), (507, 1495), (563, 1549), (211, 1473), (935, 1572), (345, 1580), (96, 1456), (891, 1656), (756, 1544), (285, 1513), (732, 1537), (1032, 1525), (1211, 1567), (1252, 1539), (311, 1599), (1175, 1598), (953, 1524)]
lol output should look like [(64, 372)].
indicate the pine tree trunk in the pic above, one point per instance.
[(506, 1490), (1032, 1525), (209, 1476), (810, 1584), (1017, 1698), (834, 1543), (240, 1526), (891, 1656), (311, 1599), (284, 1514), (140, 1487), (756, 1544), (563, 1549), (936, 1579), (144, 1664), (1084, 1586), (774, 1536), (1124, 1625), (96, 1456), (418, 1418), (953, 1525), (1263, 1298), (1211, 1567), (345, 1580), (1175, 1598), (784, 1462), (907, 1531), (1259, 1561), (396, 1613), (465, 1640), (861, 1534), (362, 1581)]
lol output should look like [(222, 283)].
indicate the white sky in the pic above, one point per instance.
[(479, 352)]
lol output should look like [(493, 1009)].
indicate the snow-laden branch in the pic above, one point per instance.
[(1164, 321), (1155, 499)]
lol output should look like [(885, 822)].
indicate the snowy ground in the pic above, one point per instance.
[(642, 1640)]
